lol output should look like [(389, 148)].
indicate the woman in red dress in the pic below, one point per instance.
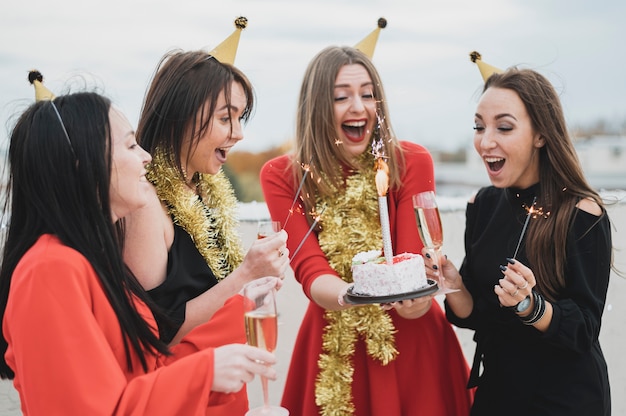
[(357, 360)]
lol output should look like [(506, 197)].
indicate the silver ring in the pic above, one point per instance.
[(280, 253), (515, 293), (525, 285)]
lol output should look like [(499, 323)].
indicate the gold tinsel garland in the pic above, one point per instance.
[(210, 220), (350, 224)]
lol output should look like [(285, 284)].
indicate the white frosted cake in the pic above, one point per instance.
[(374, 277)]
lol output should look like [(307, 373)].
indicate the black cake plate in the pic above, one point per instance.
[(359, 299)]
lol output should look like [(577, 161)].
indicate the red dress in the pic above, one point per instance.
[(66, 349), (429, 376)]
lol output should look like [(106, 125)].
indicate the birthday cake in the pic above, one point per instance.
[(372, 275)]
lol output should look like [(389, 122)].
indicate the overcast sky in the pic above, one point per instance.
[(422, 55)]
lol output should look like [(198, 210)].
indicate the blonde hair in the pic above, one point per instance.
[(316, 135)]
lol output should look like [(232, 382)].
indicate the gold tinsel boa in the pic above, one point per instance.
[(350, 224), (208, 215)]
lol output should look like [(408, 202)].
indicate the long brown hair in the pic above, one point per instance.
[(315, 129), (185, 83), (561, 177)]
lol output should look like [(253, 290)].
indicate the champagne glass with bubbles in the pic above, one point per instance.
[(262, 332), (429, 228)]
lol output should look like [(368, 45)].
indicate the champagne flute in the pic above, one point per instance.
[(430, 230), (267, 228), (262, 332)]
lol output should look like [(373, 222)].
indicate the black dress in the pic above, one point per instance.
[(526, 372), (188, 276)]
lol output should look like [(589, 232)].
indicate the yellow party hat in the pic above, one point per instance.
[(486, 70), (41, 92), (226, 51), (368, 44)]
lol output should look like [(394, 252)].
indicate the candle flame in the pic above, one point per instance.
[(382, 177)]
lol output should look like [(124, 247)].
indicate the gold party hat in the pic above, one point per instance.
[(41, 92), (368, 44), (486, 70), (226, 51)]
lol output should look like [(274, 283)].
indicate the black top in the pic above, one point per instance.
[(526, 372), (188, 276)]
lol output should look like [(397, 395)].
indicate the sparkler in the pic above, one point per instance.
[(315, 221), (307, 169), (521, 237)]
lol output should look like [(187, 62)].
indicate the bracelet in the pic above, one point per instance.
[(538, 311)]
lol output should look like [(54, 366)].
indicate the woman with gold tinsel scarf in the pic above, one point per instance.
[(184, 246), (357, 360), (78, 331)]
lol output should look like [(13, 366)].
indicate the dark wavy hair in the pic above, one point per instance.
[(61, 187)]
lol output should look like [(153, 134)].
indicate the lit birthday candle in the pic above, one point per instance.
[(382, 186)]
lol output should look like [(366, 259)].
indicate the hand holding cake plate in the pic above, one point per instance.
[(376, 281), (358, 299)]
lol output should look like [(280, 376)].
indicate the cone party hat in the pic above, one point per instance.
[(226, 51), (368, 44), (41, 92), (486, 70)]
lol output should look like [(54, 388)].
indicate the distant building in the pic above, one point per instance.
[(603, 159), (603, 155)]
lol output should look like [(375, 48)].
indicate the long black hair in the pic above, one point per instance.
[(59, 184)]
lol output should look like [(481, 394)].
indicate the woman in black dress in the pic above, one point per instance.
[(534, 291)]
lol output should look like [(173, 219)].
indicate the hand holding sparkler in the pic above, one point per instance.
[(521, 237)]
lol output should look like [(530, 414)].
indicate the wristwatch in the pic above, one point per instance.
[(523, 305)]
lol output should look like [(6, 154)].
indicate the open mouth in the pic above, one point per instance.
[(495, 163), (354, 130), (221, 154)]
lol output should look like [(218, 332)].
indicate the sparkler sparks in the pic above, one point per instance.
[(378, 144)]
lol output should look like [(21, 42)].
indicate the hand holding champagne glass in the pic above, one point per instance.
[(430, 230), (262, 332)]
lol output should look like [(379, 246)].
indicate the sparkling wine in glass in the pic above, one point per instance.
[(267, 228), (262, 332), (429, 227)]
